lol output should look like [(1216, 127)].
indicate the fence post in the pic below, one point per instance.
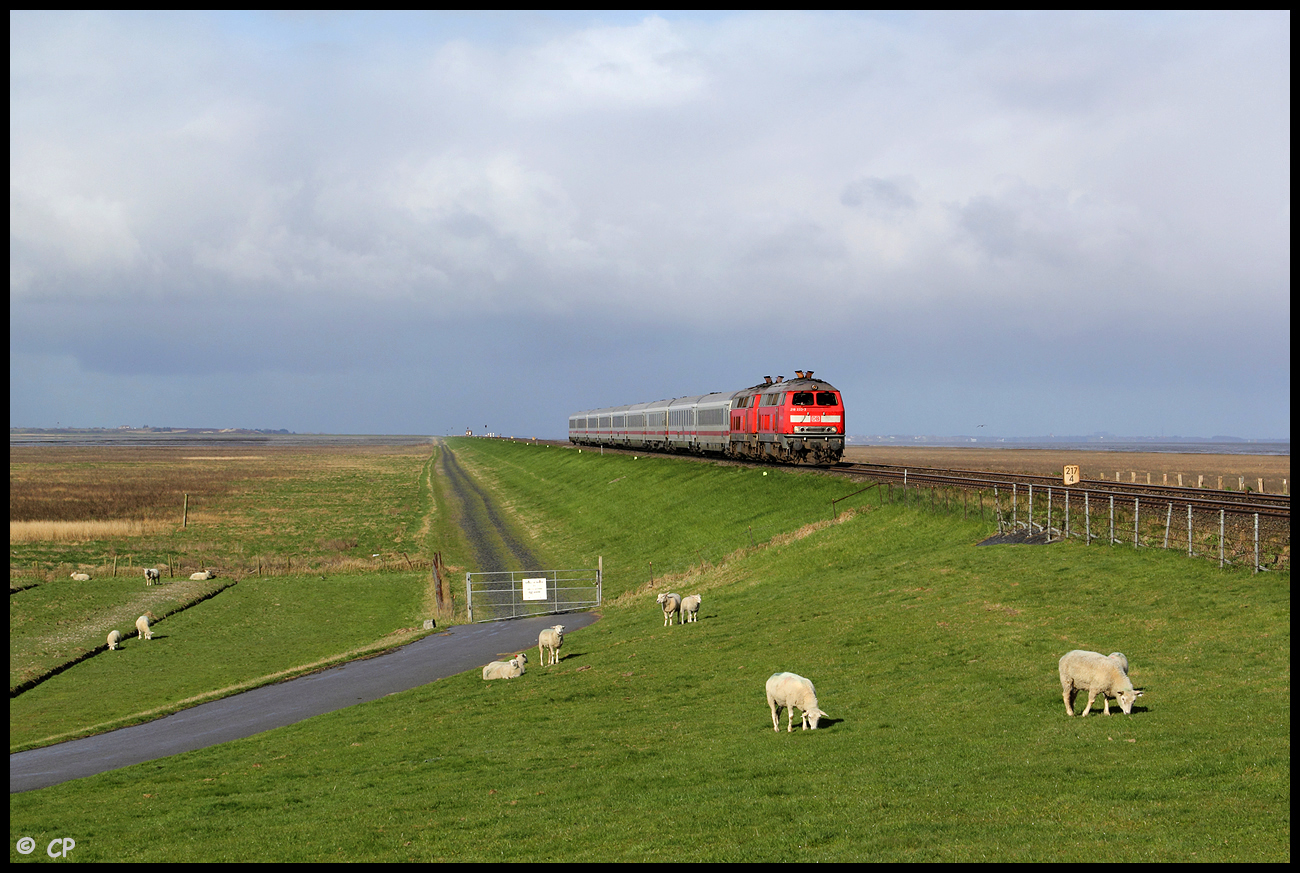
[(1112, 518), (1257, 542), (1169, 517), (1220, 539), (1049, 513), (1135, 522), (185, 512), (469, 600), (1087, 521), (1031, 509), (1189, 530)]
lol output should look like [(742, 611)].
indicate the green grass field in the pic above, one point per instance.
[(935, 659)]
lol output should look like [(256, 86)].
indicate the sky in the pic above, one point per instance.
[(1011, 224)]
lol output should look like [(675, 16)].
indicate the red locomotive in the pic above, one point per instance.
[(799, 421)]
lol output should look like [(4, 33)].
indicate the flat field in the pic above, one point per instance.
[(936, 659)]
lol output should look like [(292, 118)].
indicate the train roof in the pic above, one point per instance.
[(799, 383)]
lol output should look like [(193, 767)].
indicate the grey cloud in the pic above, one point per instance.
[(882, 197)]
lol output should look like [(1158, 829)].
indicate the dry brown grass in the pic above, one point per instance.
[(81, 531)]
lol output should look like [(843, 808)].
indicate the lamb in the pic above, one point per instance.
[(202, 576), (672, 605), (80, 577), (691, 608), (152, 576), (1097, 674), (512, 669), (142, 627), (549, 642), (114, 639), (791, 690)]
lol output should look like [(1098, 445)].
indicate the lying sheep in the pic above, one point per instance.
[(691, 608), (549, 642), (672, 605), (152, 576), (512, 669), (142, 627), (790, 690), (114, 639), (202, 576), (80, 577), (1097, 674)]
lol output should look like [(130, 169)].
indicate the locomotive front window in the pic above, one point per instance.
[(803, 398), (827, 398)]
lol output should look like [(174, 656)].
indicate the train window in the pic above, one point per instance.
[(827, 398), (773, 399), (803, 398)]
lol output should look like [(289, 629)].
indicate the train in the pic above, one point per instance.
[(789, 421)]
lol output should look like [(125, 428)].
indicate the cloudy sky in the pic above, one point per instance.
[(364, 223)]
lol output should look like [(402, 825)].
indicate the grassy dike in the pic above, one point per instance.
[(936, 660)]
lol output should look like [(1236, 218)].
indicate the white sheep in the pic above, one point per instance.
[(1119, 658), (80, 577), (1097, 674), (672, 605), (512, 669), (791, 690), (142, 627), (152, 576), (202, 576), (691, 608), (548, 643), (114, 639)]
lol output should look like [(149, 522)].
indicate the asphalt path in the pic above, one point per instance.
[(461, 648)]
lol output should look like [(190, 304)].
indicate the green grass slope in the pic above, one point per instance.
[(935, 658)]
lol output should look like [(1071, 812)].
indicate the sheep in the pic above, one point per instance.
[(202, 575), (142, 627), (1118, 658), (152, 576), (1097, 674), (549, 642), (80, 577), (791, 690), (114, 639), (691, 608), (511, 669), (672, 605)]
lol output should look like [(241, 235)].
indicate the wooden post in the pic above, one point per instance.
[(1135, 522), (1189, 530), (1257, 542), (185, 512), (1220, 539), (1169, 517), (115, 566)]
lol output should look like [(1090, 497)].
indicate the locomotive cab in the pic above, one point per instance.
[(798, 421)]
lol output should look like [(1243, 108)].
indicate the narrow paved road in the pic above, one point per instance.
[(466, 647)]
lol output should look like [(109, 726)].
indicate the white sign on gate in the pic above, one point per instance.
[(534, 589)]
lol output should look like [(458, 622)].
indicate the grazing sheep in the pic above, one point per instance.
[(1097, 674), (80, 577), (691, 608), (202, 576), (549, 642), (672, 605), (791, 690), (152, 576), (114, 639), (142, 627), (512, 669)]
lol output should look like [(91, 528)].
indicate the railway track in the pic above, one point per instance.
[(1233, 502)]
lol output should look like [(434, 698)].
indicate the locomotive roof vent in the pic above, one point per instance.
[(798, 374), (780, 378), (807, 374), (767, 380)]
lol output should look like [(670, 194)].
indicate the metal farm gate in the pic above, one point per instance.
[(523, 593)]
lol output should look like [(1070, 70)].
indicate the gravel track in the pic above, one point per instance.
[(494, 544)]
